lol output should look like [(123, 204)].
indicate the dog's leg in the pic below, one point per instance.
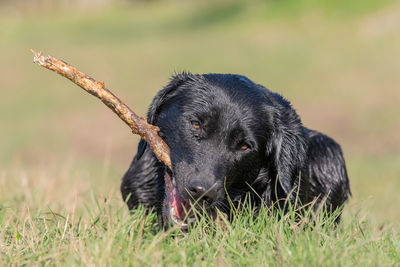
[(328, 181), (143, 183)]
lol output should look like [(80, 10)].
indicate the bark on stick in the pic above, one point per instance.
[(138, 124)]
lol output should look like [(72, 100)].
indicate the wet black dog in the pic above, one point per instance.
[(230, 137)]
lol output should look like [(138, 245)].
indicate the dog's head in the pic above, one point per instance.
[(222, 130)]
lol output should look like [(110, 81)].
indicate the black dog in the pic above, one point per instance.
[(230, 137)]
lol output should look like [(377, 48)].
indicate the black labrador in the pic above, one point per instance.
[(230, 137)]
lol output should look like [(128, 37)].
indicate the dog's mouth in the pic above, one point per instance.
[(178, 210)]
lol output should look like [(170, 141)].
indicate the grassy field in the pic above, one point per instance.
[(62, 153)]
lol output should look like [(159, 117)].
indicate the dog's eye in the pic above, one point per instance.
[(195, 124), (243, 146)]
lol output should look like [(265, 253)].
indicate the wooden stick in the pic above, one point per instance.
[(138, 124)]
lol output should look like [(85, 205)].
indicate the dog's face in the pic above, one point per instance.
[(216, 138)]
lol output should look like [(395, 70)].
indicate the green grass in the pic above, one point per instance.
[(62, 153), (105, 234)]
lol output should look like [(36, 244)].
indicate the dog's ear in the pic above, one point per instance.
[(288, 148), (164, 94), (141, 148)]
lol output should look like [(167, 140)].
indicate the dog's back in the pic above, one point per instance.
[(327, 174)]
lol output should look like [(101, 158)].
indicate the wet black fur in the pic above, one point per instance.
[(232, 109)]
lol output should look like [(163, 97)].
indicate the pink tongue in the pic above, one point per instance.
[(175, 198)]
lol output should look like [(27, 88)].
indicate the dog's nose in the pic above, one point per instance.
[(198, 192)]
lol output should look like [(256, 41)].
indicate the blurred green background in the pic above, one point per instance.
[(338, 62)]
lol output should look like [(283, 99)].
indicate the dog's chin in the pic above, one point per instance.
[(178, 211)]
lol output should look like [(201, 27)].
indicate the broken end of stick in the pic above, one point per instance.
[(38, 58)]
